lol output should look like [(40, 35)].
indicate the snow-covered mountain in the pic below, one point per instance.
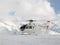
[(8, 26), (42, 37), (13, 26)]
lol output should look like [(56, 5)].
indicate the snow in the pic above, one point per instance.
[(11, 35), (12, 11), (7, 39)]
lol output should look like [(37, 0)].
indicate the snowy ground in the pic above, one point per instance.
[(41, 37), (8, 39)]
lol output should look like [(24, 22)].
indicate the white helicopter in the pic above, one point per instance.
[(28, 28), (33, 26)]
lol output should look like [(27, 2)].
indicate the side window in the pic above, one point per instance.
[(30, 27)]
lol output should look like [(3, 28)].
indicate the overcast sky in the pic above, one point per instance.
[(27, 9)]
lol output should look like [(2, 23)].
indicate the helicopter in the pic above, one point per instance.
[(28, 27), (32, 25)]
